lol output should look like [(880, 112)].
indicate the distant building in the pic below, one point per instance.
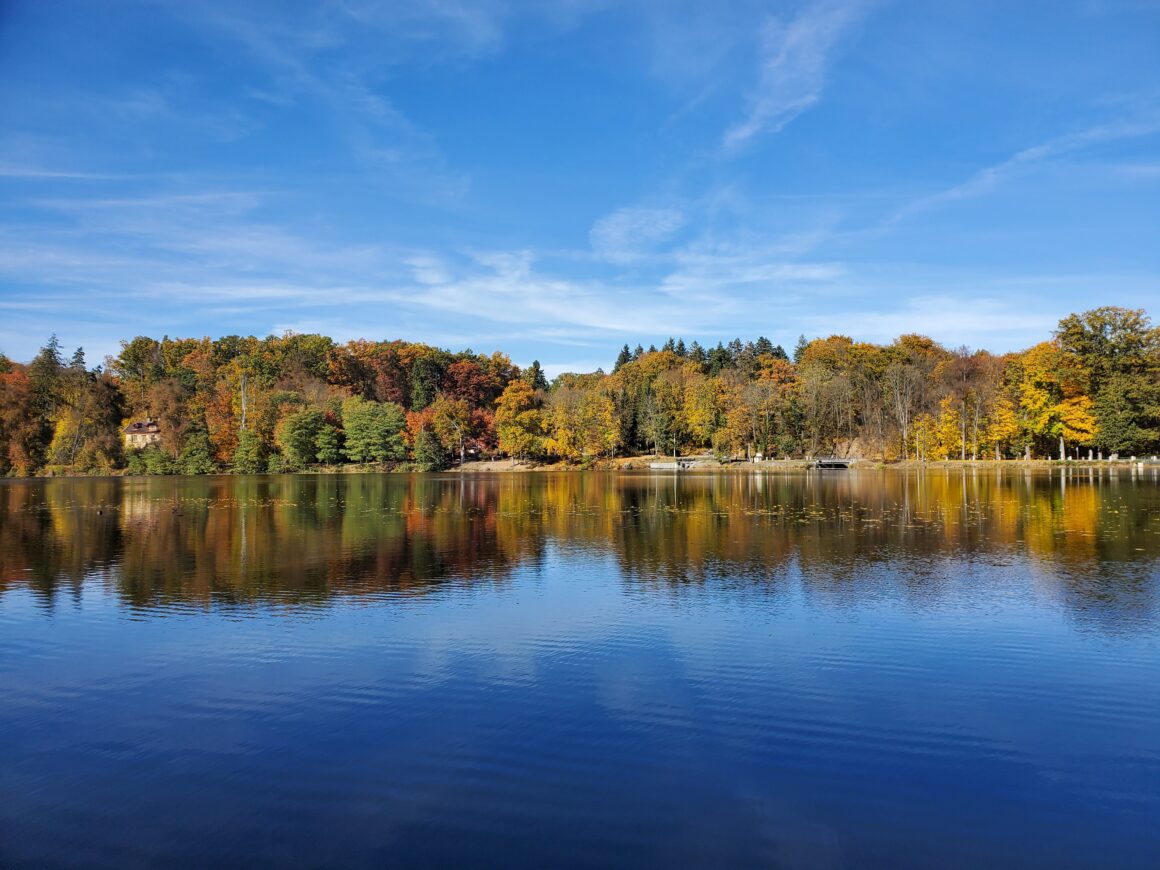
[(142, 434)]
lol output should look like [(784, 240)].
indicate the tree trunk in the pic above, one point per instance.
[(963, 430), (975, 435), (243, 429)]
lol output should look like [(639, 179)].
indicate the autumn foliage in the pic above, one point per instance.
[(291, 402)]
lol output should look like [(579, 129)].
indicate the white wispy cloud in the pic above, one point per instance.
[(211, 255), (993, 314), (990, 178), (223, 267), (627, 234), (41, 173), (129, 244), (735, 279), (428, 269), (1141, 171), (506, 287), (448, 25), (795, 60), (335, 62)]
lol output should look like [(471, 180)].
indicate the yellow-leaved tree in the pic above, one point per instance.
[(1002, 425), (924, 437), (732, 436), (700, 411), (947, 429), (1054, 399), (519, 421), (580, 423)]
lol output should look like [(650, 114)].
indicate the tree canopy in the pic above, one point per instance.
[(292, 402)]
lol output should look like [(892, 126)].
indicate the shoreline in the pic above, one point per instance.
[(699, 465)]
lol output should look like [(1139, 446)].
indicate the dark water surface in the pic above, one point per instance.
[(821, 670)]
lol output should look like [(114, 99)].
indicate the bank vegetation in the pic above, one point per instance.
[(295, 402)]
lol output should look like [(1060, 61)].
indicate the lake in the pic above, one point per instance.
[(819, 669)]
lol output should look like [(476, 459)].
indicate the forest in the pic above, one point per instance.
[(295, 402)]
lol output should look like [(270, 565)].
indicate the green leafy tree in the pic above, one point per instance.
[(426, 373), (135, 462), (1128, 411), (430, 455), (250, 455), (373, 430), (326, 445), (157, 461), (453, 424), (297, 437), (197, 455), (1119, 352)]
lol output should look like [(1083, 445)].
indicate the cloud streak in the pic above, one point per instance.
[(627, 234), (335, 63), (990, 178), (795, 60), (40, 173)]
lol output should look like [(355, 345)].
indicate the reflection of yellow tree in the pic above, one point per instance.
[(305, 539), (1062, 521)]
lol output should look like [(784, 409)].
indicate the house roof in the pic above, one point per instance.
[(149, 427)]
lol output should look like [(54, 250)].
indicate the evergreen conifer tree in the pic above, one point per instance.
[(800, 349), (624, 357)]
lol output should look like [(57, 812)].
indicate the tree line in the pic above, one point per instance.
[(291, 402)]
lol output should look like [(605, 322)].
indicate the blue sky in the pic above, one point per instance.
[(557, 178)]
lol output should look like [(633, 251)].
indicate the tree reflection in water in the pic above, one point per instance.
[(1090, 538)]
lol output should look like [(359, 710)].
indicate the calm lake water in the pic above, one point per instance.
[(827, 669)]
